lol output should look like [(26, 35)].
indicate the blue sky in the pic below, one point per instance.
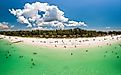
[(98, 14)]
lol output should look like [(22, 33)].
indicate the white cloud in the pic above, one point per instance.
[(4, 26), (53, 13), (43, 15), (82, 24), (12, 26), (107, 27), (22, 19), (39, 28), (51, 24)]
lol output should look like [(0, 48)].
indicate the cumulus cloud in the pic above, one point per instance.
[(4, 26), (74, 23), (43, 15)]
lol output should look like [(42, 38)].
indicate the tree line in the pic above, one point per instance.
[(67, 33)]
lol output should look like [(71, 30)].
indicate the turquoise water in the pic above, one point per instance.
[(23, 59)]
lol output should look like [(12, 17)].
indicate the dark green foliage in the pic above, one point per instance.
[(67, 33)]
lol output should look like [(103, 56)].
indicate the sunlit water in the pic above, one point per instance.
[(23, 59)]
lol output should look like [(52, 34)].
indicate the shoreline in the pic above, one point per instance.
[(65, 43)]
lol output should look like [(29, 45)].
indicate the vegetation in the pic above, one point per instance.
[(68, 33)]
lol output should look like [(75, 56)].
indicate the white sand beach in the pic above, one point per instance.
[(64, 42)]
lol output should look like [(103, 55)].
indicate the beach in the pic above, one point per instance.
[(40, 56), (60, 37), (66, 42)]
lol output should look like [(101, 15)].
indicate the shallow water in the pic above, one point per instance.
[(23, 59)]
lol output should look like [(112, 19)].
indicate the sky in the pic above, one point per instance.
[(87, 14)]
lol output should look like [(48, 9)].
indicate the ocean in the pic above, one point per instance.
[(25, 59)]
